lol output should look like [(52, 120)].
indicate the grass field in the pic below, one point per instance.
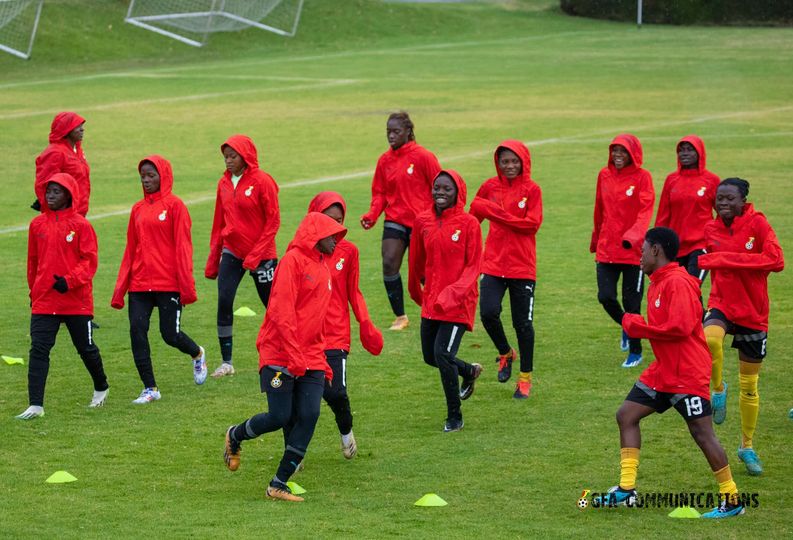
[(471, 75)]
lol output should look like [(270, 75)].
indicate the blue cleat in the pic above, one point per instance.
[(633, 360), (752, 462), (718, 401), (616, 497), (624, 343), (725, 510)]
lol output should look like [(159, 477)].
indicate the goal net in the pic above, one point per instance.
[(192, 21), (18, 22)]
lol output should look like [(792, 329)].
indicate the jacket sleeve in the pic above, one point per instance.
[(478, 205), (664, 209), (371, 338), (769, 259), (33, 256), (85, 270), (48, 163), (598, 217), (529, 224), (684, 316), (431, 167), (184, 253), (417, 259), (378, 203), (635, 235), (456, 293), (216, 239), (125, 271), (268, 199)]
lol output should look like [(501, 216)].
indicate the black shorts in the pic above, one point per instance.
[(392, 229), (689, 406), (273, 380), (749, 341)]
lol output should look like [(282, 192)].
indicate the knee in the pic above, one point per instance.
[(170, 338), (624, 419), (281, 417), (335, 394), (489, 313), (605, 297)]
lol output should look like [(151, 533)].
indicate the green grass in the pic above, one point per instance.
[(470, 75)]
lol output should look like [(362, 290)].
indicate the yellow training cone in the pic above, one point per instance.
[(61, 477), (430, 499), (684, 512), (295, 488), (10, 360), (245, 311)]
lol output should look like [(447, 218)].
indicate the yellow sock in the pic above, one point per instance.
[(715, 338), (748, 400), (629, 467), (726, 484), (525, 376)]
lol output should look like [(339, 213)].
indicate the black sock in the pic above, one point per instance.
[(225, 348), (288, 466), (393, 286)]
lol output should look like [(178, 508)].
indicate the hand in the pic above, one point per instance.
[(366, 224), (60, 284)]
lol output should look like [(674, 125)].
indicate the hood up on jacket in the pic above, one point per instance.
[(699, 146), (64, 179), (314, 227), (462, 190), (522, 152), (163, 167), (632, 145), (244, 146), (63, 124), (325, 199)]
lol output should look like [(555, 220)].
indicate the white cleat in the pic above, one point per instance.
[(223, 370), (349, 448), (34, 411), (147, 396), (200, 367), (99, 398)]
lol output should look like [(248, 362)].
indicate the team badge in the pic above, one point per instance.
[(701, 191), (456, 235), (658, 301), (750, 243), (522, 203), (70, 236), (276, 381), (629, 191), (410, 169), (340, 264), (162, 216), (249, 191)]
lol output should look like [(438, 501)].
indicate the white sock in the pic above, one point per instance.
[(346, 438)]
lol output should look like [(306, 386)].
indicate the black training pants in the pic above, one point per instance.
[(440, 342), (521, 302), (632, 287), (229, 276), (335, 394)]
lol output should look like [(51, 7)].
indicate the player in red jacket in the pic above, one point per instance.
[(512, 202), (623, 207), (291, 344), (157, 270), (344, 271), (686, 203), (401, 187), (246, 221), (62, 261), (65, 155), (677, 378), (742, 249), (444, 262)]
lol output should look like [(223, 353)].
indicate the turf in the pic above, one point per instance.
[(471, 75)]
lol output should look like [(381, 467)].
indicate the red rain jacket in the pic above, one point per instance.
[(291, 335), (159, 252), (740, 257), (61, 243), (246, 218), (623, 207), (345, 272), (445, 256), (674, 327), (61, 157), (402, 184), (686, 203), (514, 209)]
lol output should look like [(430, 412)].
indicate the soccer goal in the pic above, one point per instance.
[(191, 21), (18, 22)]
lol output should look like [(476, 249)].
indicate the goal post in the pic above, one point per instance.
[(192, 21), (19, 20)]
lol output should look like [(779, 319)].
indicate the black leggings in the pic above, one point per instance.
[(521, 302), (169, 305), (229, 276), (43, 330), (335, 393), (632, 288)]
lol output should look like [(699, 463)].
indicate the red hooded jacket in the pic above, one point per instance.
[(402, 184), (345, 272), (514, 208), (623, 207), (63, 243), (291, 335), (61, 157), (740, 257), (159, 252), (674, 327), (247, 217), (445, 256), (686, 204)]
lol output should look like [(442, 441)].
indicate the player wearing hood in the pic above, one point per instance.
[(345, 273), (62, 261), (623, 208), (157, 271), (742, 249), (65, 155), (512, 202), (246, 221), (401, 187), (445, 257), (686, 203), (291, 344)]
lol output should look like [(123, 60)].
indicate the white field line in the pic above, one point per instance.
[(584, 138)]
